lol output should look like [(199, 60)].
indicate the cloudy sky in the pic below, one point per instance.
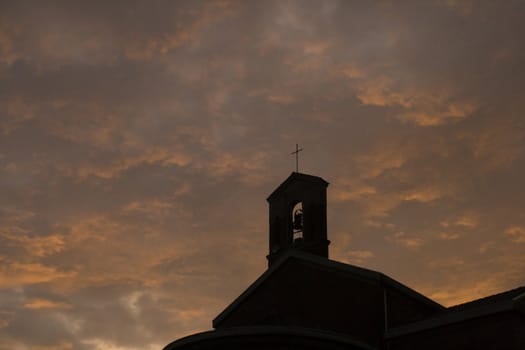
[(139, 140)]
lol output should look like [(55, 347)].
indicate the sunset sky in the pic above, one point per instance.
[(140, 139)]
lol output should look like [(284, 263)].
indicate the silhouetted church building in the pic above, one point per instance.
[(306, 301)]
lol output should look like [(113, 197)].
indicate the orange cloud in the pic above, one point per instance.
[(457, 294), (377, 203), (496, 145), (468, 220), (445, 263), (150, 47), (486, 246), (316, 48), (102, 344), (250, 169), (516, 233), (351, 71), (437, 115), (45, 304), (422, 195), (356, 256), (39, 246), (407, 241), (424, 107), (63, 345), (380, 92), (154, 205), (449, 236), (377, 161), (115, 168), (14, 274)]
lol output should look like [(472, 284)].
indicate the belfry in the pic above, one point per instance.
[(305, 301), (298, 216)]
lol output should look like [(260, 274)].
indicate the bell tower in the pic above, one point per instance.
[(298, 216)]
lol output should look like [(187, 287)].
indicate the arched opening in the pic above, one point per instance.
[(297, 222)]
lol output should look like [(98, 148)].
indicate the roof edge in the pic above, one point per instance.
[(275, 266), (452, 317)]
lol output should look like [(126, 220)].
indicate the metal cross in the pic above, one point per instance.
[(297, 150)]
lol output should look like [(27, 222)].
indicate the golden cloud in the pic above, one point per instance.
[(316, 48), (496, 145), (63, 345), (45, 304), (156, 206), (460, 294), (446, 263), (249, 169), (380, 92), (516, 233), (114, 169), (356, 256), (151, 47), (15, 274), (467, 220), (422, 107), (422, 195), (486, 246), (39, 246), (448, 236), (351, 71), (407, 241)]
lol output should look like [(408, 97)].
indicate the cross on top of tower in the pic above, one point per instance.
[(296, 152)]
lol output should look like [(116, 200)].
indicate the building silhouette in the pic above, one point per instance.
[(306, 301)]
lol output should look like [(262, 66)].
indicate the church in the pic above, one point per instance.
[(304, 300)]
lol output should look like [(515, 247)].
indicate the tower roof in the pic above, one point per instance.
[(299, 177)]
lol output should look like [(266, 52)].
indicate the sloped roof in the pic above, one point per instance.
[(489, 300), (297, 177), (369, 275), (506, 301)]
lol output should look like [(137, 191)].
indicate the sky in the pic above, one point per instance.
[(139, 141)]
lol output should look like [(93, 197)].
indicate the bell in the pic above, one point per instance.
[(298, 220)]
